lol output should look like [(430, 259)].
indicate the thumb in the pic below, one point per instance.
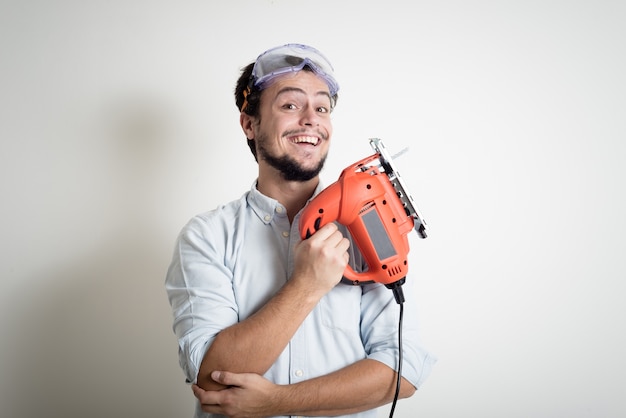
[(225, 378)]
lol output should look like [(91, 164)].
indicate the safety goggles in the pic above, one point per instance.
[(292, 58)]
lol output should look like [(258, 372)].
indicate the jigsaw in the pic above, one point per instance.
[(372, 201)]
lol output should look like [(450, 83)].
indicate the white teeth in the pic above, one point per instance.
[(305, 139)]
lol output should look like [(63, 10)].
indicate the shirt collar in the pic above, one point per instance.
[(266, 208)]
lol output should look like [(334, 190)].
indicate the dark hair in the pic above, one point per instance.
[(252, 108), (253, 97)]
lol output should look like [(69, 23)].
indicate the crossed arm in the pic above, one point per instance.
[(364, 385), (230, 379)]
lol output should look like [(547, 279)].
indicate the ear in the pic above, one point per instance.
[(247, 124)]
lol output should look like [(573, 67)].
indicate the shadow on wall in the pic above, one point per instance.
[(94, 336)]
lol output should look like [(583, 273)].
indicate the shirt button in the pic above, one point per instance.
[(299, 373), (267, 218), (286, 234), (279, 209)]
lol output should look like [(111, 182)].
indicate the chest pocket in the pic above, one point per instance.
[(341, 309)]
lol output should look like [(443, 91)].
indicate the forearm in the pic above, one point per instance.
[(361, 386), (254, 344)]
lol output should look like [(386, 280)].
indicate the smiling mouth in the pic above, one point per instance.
[(312, 140)]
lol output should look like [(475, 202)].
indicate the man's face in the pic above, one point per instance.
[(294, 128)]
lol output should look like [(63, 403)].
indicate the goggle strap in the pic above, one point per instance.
[(246, 92)]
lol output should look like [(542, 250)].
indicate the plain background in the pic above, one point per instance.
[(118, 125)]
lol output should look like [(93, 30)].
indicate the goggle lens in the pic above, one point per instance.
[(292, 58)]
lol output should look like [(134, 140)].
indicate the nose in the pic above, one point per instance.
[(310, 116)]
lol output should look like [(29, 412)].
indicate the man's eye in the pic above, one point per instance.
[(322, 109), (290, 106)]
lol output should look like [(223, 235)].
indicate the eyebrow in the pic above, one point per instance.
[(288, 89)]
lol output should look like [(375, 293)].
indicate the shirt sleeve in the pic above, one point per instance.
[(379, 329), (199, 288)]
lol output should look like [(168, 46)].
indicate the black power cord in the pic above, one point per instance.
[(399, 296)]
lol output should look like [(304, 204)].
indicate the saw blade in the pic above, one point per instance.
[(392, 172)]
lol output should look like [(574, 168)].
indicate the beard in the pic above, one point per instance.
[(289, 168)]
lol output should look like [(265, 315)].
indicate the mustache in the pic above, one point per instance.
[(317, 132)]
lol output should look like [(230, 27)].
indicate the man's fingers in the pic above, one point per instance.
[(326, 231), (330, 234), (206, 397), (197, 391), (228, 378), (218, 377)]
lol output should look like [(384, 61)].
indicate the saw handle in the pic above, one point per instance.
[(316, 216)]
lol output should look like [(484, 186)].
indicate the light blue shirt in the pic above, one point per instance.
[(230, 261)]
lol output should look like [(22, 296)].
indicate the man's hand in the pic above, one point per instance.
[(246, 395), (322, 258)]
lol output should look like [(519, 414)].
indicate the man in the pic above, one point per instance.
[(265, 327)]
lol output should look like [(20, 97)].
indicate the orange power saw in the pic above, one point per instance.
[(371, 200)]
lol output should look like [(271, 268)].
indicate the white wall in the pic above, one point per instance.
[(118, 124)]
